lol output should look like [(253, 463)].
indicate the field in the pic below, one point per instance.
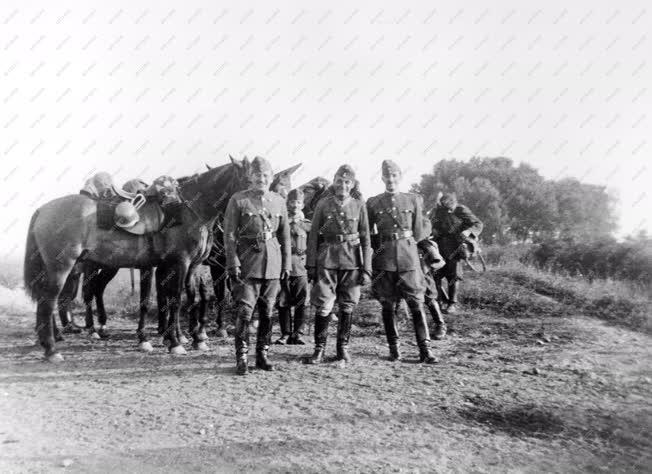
[(533, 377)]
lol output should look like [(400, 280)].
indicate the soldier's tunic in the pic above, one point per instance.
[(257, 240), (297, 288), (396, 266), (339, 247), (447, 227)]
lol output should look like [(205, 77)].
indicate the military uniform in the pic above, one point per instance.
[(339, 251), (257, 242), (397, 271), (449, 222), (295, 292)]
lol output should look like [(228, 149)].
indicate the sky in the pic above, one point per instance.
[(142, 89)]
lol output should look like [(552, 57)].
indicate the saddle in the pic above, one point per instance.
[(146, 210)]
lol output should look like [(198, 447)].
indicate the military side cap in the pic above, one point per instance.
[(295, 195), (260, 165), (389, 167), (346, 172)]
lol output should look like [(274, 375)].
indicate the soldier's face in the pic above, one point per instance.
[(343, 187), (295, 206), (392, 181), (261, 180)]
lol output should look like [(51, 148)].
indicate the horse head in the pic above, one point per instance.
[(282, 182), (313, 191)]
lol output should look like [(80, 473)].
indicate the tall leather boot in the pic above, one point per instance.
[(284, 315), (299, 318), (453, 305), (421, 332), (264, 337), (241, 343), (391, 330), (343, 334), (438, 318), (321, 335)]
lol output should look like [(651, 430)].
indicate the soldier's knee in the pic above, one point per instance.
[(244, 312)]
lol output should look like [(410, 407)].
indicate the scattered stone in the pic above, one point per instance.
[(546, 339), (202, 432), (128, 412), (540, 342), (532, 371), (67, 462)]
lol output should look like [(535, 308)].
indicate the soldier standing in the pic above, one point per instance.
[(295, 291), (396, 265), (452, 223), (257, 245), (338, 260)]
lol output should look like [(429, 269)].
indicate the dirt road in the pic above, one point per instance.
[(502, 399)]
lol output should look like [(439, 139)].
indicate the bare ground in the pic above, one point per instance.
[(502, 399)]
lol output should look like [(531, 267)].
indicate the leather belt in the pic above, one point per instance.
[(300, 253), (261, 237), (339, 238), (403, 234)]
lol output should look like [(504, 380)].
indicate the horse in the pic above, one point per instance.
[(64, 232)]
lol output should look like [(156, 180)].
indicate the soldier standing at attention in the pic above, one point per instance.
[(339, 261), (451, 225), (295, 291), (257, 246), (396, 264)]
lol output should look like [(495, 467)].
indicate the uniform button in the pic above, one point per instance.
[(341, 213), (395, 225), (393, 208)]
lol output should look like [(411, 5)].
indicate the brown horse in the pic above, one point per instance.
[(64, 232)]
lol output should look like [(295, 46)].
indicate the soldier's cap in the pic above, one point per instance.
[(260, 165), (389, 167), (346, 172), (448, 200), (295, 195)]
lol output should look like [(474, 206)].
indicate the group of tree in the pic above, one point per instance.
[(517, 204)]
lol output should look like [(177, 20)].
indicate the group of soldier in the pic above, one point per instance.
[(273, 253)]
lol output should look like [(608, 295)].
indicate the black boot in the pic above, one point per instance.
[(391, 330), (241, 344), (263, 337), (438, 318), (299, 317), (453, 305), (321, 335), (421, 332), (68, 325), (284, 315), (343, 335)]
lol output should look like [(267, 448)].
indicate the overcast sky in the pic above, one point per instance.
[(141, 89)]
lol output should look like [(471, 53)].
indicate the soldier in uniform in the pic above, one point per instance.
[(431, 262), (338, 261), (397, 269), (257, 246), (452, 223), (295, 291)]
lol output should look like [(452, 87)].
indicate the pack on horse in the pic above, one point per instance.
[(216, 260), (64, 232)]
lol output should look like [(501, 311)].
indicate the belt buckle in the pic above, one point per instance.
[(339, 238), (394, 236), (266, 235)]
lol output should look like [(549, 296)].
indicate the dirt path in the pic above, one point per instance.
[(501, 400)]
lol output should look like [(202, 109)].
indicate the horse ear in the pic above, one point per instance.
[(208, 167), (235, 162), (289, 171)]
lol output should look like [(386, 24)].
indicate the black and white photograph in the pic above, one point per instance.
[(296, 236)]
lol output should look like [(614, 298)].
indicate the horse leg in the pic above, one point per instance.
[(90, 272), (105, 276), (203, 304), (177, 279), (45, 314), (219, 287), (145, 292), (161, 300), (64, 303), (197, 328)]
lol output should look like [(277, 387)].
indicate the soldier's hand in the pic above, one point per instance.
[(235, 274), (312, 274), (364, 278), (285, 275)]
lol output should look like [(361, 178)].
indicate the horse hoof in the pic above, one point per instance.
[(200, 346), (55, 358), (202, 336), (95, 336), (183, 339), (145, 346), (177, 350), (162, 341)]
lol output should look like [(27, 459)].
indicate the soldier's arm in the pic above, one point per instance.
[(365, 242), (470, 223), (417, 224), (313, 236), (283, 235), (373, 230), (231, 217)]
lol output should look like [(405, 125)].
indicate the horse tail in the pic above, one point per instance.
[(34, 270)]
